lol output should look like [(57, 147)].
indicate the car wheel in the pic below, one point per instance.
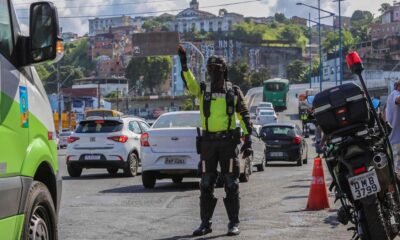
[(261, 167), (245, 176), (131, 168), (148, 179), (112, 171), (300, 161), (177, 179), (305, 160), (40, 215), (74, 171)]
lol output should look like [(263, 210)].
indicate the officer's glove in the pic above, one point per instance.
[(246, 148), (182, 57)]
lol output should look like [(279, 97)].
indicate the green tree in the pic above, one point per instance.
[(238, 74), (154, 71), (67, 74), (296, 71), (360, 20), (331, 43), (280, 17), (384, 7), (291, 33), (259, 76)]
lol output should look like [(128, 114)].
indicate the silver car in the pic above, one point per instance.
[(63, 139)]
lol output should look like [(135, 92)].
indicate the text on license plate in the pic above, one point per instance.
[(92, 157), (276, 154), (174, 161), (364, 185)]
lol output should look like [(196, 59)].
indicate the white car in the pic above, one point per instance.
[(168, 149), (110, 143), (266, 117), (264, 106), (63, 139)]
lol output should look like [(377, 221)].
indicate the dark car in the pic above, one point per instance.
[(284, 142)]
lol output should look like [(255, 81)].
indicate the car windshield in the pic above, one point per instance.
[(177, 120), (265, 105), (277, 131), (64, 134), (99, 126), (266, 113)]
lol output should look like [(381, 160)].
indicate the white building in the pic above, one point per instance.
[(192, 19), (103, 25), (106, 85)]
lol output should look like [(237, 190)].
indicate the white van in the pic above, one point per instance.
[(30, 183)]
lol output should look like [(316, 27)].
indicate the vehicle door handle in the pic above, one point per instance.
[(136, 138)]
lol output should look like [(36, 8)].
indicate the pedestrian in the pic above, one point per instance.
[(221, 104), (393, 118)]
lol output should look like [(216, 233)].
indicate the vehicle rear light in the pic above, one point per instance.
[(72, 139), (50, 136), (144, 140), (99, 121), (121, 139), (119, 157), (296, 140), (360, 170)]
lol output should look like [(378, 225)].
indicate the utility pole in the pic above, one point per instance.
[(117, 99), (340, 45), (98, 94), (310, 30), (59, 99), (320, 46)]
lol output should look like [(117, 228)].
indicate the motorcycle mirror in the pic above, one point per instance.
[(354, 63)]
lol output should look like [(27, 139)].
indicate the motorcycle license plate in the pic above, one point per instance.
[(364, 185)]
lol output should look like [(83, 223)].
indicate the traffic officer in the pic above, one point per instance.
[(221, 104)]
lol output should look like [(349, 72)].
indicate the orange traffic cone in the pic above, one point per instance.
[(318, 196)]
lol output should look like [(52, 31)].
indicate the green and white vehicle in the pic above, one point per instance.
[(30, 184)]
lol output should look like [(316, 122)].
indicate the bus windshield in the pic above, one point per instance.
[(275, 87)]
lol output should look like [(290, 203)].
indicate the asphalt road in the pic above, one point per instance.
[(97, 206)]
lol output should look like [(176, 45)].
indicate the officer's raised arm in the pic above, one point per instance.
[(187, 76), (243, 113)]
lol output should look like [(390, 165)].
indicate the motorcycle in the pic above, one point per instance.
[(360, 160)]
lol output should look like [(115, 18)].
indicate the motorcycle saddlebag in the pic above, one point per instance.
[(341, 106)]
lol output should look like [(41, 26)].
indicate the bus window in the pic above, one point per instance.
[(6, 43)]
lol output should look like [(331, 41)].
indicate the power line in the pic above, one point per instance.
[(63, 1), (104, 5), (152, 12)]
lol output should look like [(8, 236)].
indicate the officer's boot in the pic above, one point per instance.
[(232, 206), (207, 207)]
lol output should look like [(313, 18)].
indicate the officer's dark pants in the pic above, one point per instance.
[(224, 152)]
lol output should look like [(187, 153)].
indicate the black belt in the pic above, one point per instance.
[(218, 135)]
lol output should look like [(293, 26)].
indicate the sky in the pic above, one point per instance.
[(262, 8)]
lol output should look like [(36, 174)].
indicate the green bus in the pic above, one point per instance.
[(275, 91)]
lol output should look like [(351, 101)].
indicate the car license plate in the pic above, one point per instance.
[(276, 154), (364, 185), (174, 161), (92, 157)]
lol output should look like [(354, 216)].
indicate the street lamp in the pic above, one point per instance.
[(310, 21), (334, 31), (319, 37)]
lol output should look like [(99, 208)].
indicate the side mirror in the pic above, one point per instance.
[(43, 32), (296, 95)]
